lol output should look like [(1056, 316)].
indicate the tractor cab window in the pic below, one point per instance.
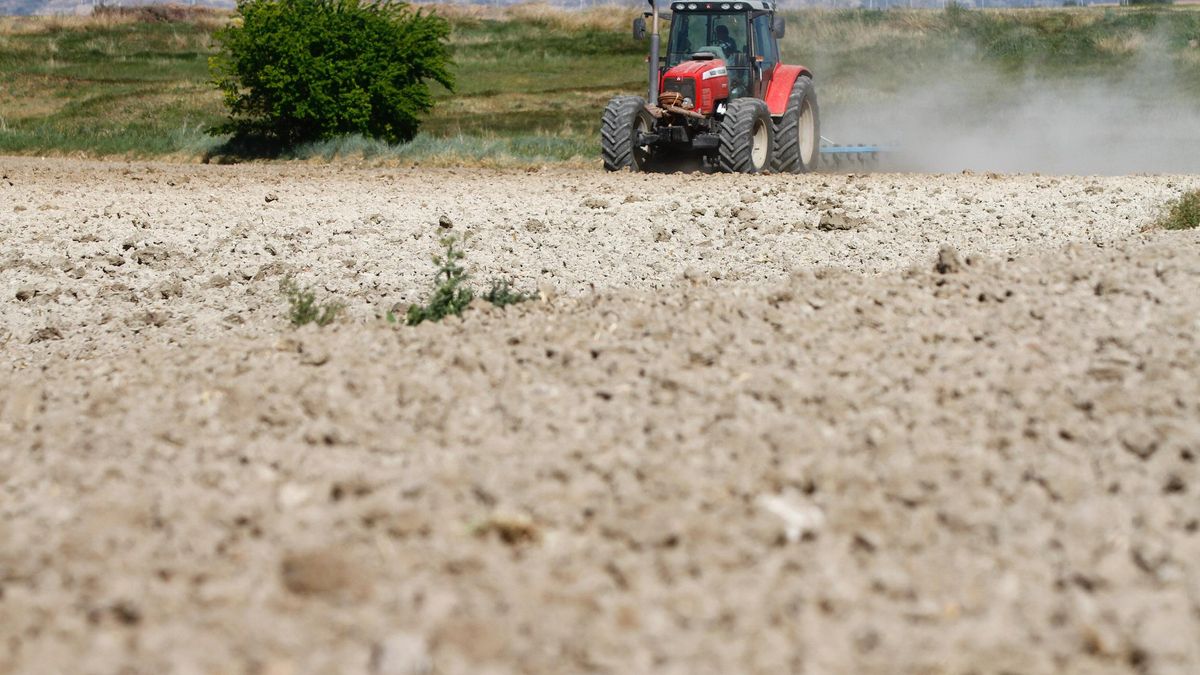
[(725, 34), (764, 43)]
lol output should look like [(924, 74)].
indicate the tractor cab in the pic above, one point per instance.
[(740, 35), (721, 95)]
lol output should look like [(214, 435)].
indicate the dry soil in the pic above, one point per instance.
[(751, 425)]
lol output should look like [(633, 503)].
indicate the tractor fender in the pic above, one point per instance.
[(780, 88)]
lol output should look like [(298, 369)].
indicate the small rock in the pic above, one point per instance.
[(629, 199), (511, 527), (948, 261), (547, 292), (798, 519), (1140, 441), (271, 197), (444, 222), (25, 293), (535, 225), (595, 203), (749, 197), (292, 495), (661, 234)]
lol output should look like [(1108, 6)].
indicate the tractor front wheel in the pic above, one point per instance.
[(746, 137), (624, 118), (798, 132)]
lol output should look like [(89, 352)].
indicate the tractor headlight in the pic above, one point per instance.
[(715, 72)]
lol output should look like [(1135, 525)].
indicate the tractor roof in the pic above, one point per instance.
[(723, 6)]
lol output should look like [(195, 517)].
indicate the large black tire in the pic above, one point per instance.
[(798, 131), (746, 137), (624, 117)]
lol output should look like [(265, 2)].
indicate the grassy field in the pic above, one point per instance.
[(532, 81)]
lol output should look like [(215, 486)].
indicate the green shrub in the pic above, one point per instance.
[(302, 305), (295, 71), (1183, 213)]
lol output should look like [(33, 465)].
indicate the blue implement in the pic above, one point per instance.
[(862, 155), (851, 149)]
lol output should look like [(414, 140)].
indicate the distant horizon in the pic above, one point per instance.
[(76, 7)]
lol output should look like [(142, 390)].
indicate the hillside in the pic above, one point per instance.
[(532, 82)]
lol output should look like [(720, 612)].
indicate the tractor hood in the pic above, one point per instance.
[(696, 68)]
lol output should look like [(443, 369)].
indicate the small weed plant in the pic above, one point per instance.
[(502, 294), (1183, 213), (451, 294), (303, 307)]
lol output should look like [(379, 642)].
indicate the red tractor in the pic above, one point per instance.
[(722, 95)]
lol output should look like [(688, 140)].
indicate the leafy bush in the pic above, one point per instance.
[(302, 305), (1183, 213), (295, 71)]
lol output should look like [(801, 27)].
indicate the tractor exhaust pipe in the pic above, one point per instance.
[(654, 44)]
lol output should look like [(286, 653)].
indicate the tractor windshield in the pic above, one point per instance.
[(722, 33)]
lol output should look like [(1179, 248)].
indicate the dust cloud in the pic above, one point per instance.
[(1138, 119)]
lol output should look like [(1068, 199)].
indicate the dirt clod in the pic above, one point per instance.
[(321, 572), (948, 261)]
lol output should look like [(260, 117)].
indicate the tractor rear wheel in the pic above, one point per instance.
[(798, 131), (746, 137), (624, 118)]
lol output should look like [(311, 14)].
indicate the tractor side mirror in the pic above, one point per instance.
[(639, 28), (778, 27)]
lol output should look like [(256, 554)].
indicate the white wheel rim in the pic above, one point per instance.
[(640, 152), (758, 147), (807, 128)]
